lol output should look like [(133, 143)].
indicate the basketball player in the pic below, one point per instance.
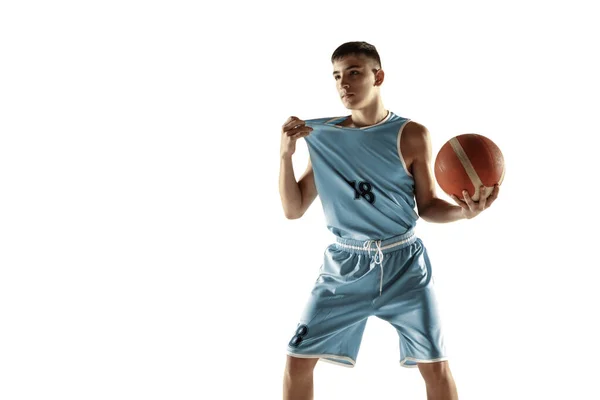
[(370, 169)]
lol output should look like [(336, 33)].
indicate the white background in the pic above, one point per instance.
[(144, 253)]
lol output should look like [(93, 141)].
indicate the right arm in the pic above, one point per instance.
[(296, 197)]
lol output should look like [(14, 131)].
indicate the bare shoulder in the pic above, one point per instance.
[(415, 134), (415, 142)]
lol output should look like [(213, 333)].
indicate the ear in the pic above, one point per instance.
[(379, 77)]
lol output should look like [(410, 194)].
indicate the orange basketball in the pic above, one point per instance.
[(466, 162)]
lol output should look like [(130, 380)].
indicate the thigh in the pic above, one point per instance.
[(409, 304)]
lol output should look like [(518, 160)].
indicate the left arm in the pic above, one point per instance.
[(416, 151)]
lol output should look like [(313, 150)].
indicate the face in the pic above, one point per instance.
[(356, 81)]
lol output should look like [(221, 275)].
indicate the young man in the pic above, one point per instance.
[(370, 170)]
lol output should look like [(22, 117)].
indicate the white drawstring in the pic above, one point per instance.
[(378, 258)]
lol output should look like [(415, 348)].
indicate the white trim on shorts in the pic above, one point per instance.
[(321, 357), (403, 361)]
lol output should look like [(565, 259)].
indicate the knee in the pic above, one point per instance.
[(435, 372), (299, 367)]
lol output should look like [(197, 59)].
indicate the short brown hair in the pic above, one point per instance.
[(356, 48)]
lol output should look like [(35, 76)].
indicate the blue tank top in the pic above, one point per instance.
[(361, 179)]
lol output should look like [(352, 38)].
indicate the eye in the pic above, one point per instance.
[(353, 72)]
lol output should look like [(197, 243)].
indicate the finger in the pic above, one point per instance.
[(302, 132), (299, 130), (458, 201), (293, 123), (482, 198), (468, 200), (495, 192), (293, 129), (494, 195), (300, 136), (287, 121)]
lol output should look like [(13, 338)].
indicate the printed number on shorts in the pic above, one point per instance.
[(299, 336)]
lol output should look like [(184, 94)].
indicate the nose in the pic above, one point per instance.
[(344, 82)]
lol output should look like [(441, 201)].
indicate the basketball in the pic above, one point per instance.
[(467, 161)]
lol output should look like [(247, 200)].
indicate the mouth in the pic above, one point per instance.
[(347, 95)]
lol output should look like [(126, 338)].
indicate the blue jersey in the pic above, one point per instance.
[(362, 181)]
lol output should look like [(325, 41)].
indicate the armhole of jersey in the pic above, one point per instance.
[(309, 162), (400, 150), (313, 171)]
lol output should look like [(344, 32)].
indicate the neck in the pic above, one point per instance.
[(369, 115)]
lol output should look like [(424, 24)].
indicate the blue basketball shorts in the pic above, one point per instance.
[(390, 279)]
